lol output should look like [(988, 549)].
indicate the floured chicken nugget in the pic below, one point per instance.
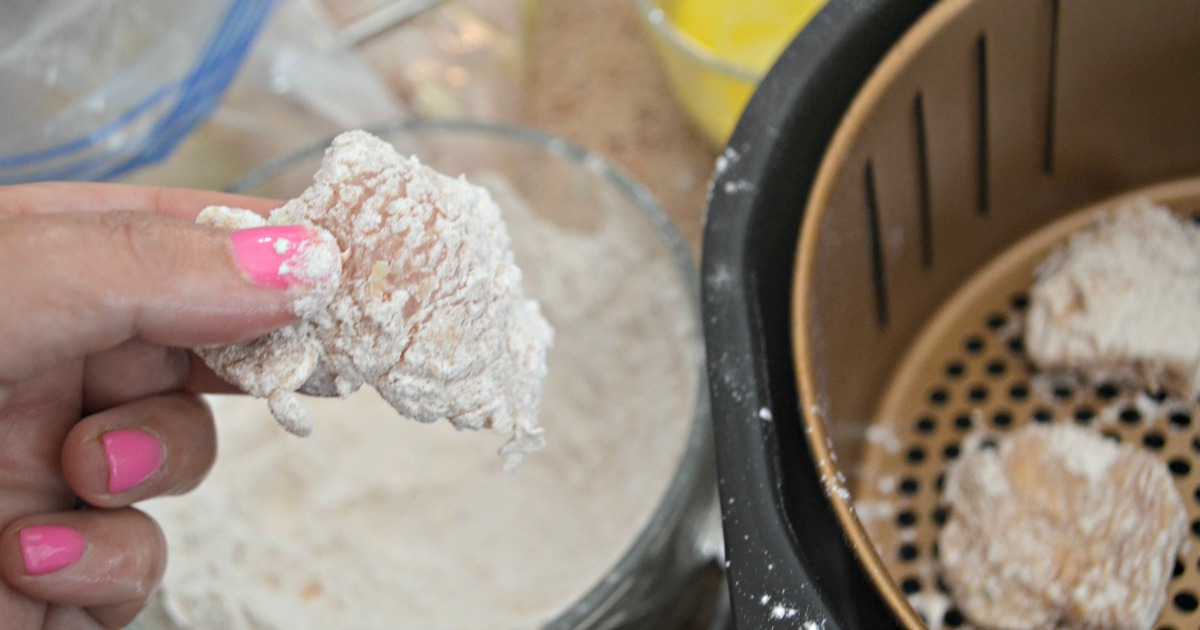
[(1058, 527), (1119, 302), (428, 309)]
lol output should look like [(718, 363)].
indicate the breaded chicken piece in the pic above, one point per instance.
[(428, 309), (1058, 527), (1121, 302)]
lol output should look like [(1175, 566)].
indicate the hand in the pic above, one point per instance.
[(100, 287)]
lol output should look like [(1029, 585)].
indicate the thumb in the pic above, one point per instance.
[(77, 283)]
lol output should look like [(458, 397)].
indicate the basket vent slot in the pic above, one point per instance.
[(982, 130), (924, 205), (1051, 80), (879, 274)]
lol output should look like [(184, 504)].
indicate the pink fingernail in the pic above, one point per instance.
[(266, 253), (133, 456), (47, 548)]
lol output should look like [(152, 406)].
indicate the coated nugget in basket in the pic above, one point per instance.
[(1120, 302), (1057, 527)]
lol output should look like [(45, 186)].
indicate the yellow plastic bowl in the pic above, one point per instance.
[(713, 80)]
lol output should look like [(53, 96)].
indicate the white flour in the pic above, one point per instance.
[(378, 522)]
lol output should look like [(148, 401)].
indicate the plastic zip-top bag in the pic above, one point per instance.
[(93, 89)]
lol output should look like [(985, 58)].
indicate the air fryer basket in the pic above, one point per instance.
[(982, 136)]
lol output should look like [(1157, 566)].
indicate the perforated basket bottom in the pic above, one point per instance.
[(969, 372)]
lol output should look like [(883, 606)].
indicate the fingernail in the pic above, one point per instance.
[(133, 456), (281, 256), (47, 548)]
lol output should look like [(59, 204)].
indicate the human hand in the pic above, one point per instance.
[(101, 286)]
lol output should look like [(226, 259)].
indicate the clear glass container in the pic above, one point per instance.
[(674, 543)]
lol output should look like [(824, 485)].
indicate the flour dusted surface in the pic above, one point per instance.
[(429, 309), (376, 524)]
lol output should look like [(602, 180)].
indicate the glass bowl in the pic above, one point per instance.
[(712, 84), (631, 472), (95, 90)]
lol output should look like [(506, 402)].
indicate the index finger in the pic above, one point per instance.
[(181, 203)]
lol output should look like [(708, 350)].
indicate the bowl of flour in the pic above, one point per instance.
[(376, 521)]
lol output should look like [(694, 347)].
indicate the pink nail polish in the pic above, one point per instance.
[(47, 548), (264, 253), (133, 456)]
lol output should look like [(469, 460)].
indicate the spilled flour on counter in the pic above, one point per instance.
[(374, 523)]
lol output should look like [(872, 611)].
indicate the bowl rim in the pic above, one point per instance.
[(692, 470), (657, 19)]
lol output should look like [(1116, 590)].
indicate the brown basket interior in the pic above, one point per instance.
[(987, 124)]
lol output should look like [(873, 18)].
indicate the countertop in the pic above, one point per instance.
[(595, 79), (588, 73), (581, 69)]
